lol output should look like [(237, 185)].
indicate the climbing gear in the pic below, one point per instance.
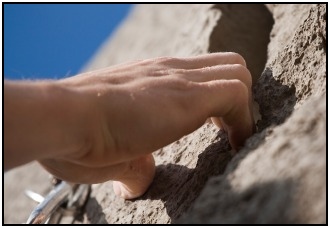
[(62, 204)]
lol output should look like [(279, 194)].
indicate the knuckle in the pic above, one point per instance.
[(165, 60), (182, 89), (238, 58), (182, 84), (243, 74), (240, 90), (158, 60)]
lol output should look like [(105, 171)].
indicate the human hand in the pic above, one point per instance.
[(133, 109)]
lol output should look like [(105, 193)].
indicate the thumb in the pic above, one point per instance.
[(136, 179)]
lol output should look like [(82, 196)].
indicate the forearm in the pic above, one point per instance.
[(39, 122)]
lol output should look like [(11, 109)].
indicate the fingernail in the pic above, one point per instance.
[(117, 188)]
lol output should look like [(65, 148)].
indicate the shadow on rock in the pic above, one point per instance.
[(95, 213), (178, 186), (276, 100), (222, 205), (245, 29), (276, 103)]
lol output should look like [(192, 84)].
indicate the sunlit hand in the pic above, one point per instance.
[(120, 115)]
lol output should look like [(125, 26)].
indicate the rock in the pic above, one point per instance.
[(278, 178), (243, 28), (190, 29), (280, 174), (282, 31), (159, 30), (297, 70)]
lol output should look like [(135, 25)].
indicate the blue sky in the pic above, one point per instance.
[(55, 40)]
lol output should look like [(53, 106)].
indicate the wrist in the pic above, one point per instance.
[(41, 122), (68, 117)]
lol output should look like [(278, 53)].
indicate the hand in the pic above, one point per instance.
[(128, 111)]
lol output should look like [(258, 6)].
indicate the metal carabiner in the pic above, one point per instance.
[(65, 198)]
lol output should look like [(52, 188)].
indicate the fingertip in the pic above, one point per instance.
[(217, 122), (135, 181), (238, 58), (238, 136), (122, 191), (116, 188)]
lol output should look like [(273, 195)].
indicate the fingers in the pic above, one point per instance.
[(219, 91), (210, 67), (135, 181), (222, 72), (227, 72), (201, 61), (230, 100), (217, 122)]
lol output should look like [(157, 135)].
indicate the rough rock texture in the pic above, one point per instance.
[(279, 177), (280, 174), (298, 69), (184, 30)]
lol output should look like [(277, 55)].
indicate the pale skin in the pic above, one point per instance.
[(103, 125)]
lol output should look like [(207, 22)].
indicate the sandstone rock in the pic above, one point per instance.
[(278, 178), (285, 26), (159, 30), (297, 70), (184, 30), (280, 174)]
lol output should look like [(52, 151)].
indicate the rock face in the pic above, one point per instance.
[(185, 30), (280, 174)]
